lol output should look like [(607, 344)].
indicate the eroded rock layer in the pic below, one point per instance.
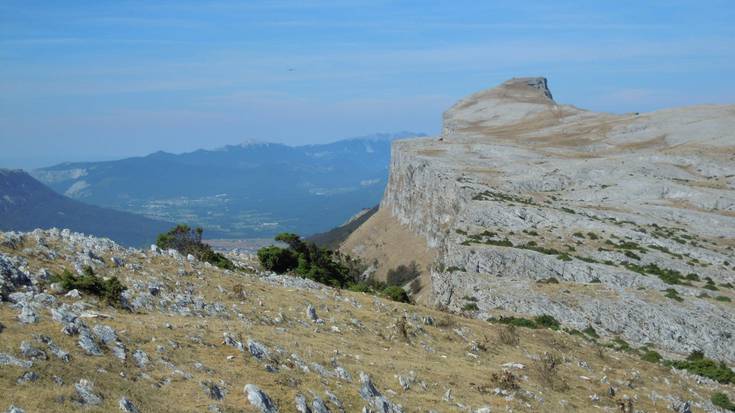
[(621, 222)]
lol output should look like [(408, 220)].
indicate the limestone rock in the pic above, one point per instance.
[(85, 391), (259, 399), (521, 190)]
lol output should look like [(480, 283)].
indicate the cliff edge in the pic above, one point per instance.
[(623, 223)]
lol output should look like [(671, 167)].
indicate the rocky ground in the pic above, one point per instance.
[(189, 337), (623, 223)]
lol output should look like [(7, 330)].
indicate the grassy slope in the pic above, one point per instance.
[(439, 354)]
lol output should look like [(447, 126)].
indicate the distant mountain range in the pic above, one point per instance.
[(239, 191), (26, 204)]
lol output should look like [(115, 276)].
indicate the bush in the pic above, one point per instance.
[(470, 307), (513, 321), (697, 363), (396, 293), (547, 321), (187, 241), (108, 290), (720, 399), (505, 380), (590, 331), (673, 294), (403, 274), (651, 356), (276, 259)]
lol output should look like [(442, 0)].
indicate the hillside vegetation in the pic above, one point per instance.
[(191, 337)]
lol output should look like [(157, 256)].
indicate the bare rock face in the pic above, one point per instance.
[(620, 222)]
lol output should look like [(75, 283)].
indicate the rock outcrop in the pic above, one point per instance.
[(620, 222)]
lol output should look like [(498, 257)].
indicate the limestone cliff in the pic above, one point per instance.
[(625, 223)]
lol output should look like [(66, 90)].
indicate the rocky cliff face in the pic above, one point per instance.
[(621, 222)]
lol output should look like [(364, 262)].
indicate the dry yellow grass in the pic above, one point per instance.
[(441, 355)]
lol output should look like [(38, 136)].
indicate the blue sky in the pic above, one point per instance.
[(97, 79)]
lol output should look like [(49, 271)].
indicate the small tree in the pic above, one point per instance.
[(276, 259), (187, 240), (403, 274)]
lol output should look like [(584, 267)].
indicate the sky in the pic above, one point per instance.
[(96, 80)]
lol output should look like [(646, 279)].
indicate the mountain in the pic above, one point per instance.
[(190, 337), (622, 223), (26, 204), (239, 191), (333, 238)]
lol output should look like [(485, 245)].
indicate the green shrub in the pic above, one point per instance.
[(631, 254), (542, 321), (308, 260), (720, 399), (692, 277), (108, 290), (673, 294), (277, 259), (590, 331), (651, 356), (546, 321), (470, 307), (361, 287), (621, 344), (513, 321), (697, 363), (723, 298), (403, 274), (187, 240), (396, 293)]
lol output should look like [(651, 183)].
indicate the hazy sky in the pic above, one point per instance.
[(98, 79)]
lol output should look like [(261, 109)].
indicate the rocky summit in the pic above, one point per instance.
[(185, 336), (624, 224)]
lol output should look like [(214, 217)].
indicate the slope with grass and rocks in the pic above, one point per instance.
[(623, 223), (186, 336)]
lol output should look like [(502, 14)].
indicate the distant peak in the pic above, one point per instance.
[(538, 83), (252, 142)]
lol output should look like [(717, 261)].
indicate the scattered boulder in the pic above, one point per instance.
[(88, 344), (85, 391), (13, 409), (371, 394), (75, 294), (117, 262), (27, 377), (301, 405), (141, 358), (232, 342), (27, 314), (311, 314), (127, 406), (28, 351), (53, 348), (212, 390), (258, 350), (8, 360), (681, 406), (259, 399), (318, 406)]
